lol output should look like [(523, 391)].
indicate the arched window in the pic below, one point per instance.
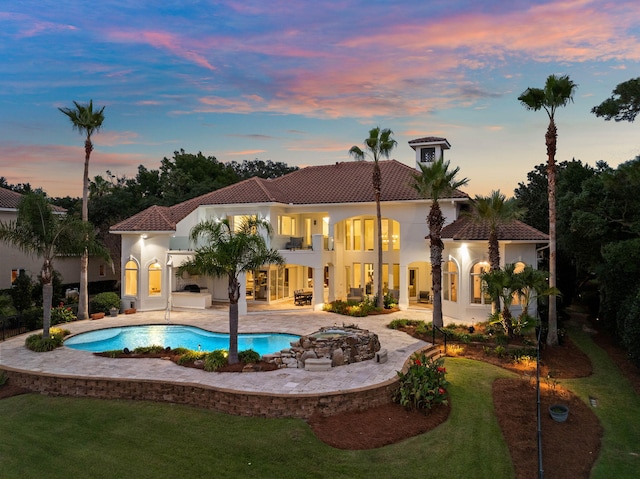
[(478, 291), (131, 278), (450, 281), (155, 279)]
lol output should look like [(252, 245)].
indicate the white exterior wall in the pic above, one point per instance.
[(414, 253), (12, 258), (465, 254)]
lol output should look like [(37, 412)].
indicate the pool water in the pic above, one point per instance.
[(175, 336)]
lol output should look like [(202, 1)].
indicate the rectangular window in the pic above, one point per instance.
[(357, 235), (14, 275), (347, 234), (307, 231), (427, 155), (238, 221), (395, 235), (286, 225), (369, 236), (357, 275), (368, 277), (385, 235), (396, 276), (385, 277), (101, 271)]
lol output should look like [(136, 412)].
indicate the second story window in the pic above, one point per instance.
[(286, 225)]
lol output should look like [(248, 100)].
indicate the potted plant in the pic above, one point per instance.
[(559, 412)]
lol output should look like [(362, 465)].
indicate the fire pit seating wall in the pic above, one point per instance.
[(343, 345)]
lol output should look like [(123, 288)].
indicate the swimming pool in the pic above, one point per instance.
[(174, 335)]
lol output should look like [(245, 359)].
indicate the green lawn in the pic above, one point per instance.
[(67, 437)]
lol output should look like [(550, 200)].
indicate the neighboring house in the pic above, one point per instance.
[(13, 260), (324, 220)]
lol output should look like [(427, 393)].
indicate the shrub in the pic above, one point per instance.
[(62, 314), (3, 378), (351, 308), (189, 355), (401, 323), (103, 302), (249, 356), (153, 349), (424, 384), (500, 351), (37, 343), (215, 360), (32, 318)]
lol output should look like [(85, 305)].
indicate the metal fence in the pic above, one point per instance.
[(11, 326)]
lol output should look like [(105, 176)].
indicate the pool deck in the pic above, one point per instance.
[(67, 362)]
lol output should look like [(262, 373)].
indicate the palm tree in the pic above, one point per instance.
[(534, 285), (378, 145), (435, 182), (87, 122), (494, 211), (227, 253), (39, 231), (502, 285), (557, 92)]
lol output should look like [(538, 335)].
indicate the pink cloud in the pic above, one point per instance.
[(244, 152), (32, 27), (163, 41), (113, 138)]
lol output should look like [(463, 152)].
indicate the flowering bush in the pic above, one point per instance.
[(62, 314), (424, 384)]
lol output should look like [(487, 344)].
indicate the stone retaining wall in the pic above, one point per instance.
[(238, 403), (342, 346)]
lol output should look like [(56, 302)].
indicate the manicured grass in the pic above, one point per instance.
[(618, 410), (68, 437)]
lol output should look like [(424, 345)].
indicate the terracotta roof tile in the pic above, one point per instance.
[(428, 139), (154, 218), (10, 200), (344, 182), (464, 229)]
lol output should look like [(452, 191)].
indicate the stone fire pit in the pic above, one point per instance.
[(340, 345)]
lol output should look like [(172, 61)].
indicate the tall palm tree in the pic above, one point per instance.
[(228, 252), (39, 231), (558, 91), (87, 122), (378, 145), (435, 182)]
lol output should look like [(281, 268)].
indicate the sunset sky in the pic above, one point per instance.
[(302, 81)]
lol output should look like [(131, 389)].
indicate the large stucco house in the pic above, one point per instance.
[(12, 260), (324, 222)]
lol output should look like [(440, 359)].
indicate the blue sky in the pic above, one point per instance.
[(302, 81)]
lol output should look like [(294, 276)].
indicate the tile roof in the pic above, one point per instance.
[(10, 200), (465, 229), (428, 139), (343, 182)]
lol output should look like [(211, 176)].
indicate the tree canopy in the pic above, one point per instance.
[(623, 105)]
